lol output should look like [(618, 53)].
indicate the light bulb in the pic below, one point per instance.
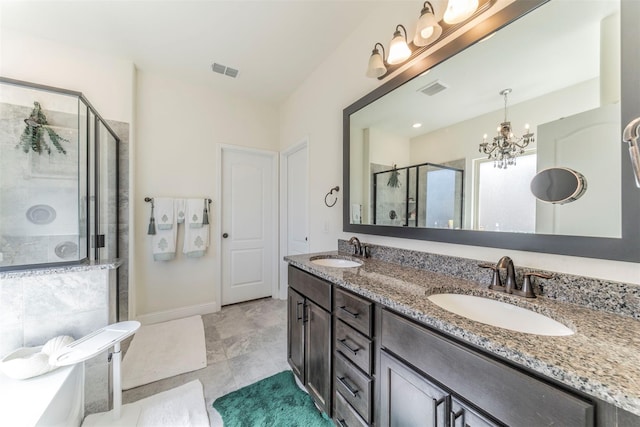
[(398, 49), (459, 10), (426, 32)]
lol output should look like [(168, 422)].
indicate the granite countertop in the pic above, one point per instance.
[(601, 359), (58, 269)]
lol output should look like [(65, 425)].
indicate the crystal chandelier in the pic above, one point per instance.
[(505, 146)]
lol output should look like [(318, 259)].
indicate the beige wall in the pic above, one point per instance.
[(315, 109), (178, 127), (106, 81)]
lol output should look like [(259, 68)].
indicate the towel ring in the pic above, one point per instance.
[(336, 189)]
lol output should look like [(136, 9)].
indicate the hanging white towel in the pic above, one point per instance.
[(164, 244), (164, 213), (196, 241), (180, 206), (195, 208)]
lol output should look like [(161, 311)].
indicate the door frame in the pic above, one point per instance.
[(284, 200), (273, 155)]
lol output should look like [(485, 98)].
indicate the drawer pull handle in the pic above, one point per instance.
[(298, 315), (349, 312), (354, 351), (342, 423), (455, 416), (351, 389), (437, 403)]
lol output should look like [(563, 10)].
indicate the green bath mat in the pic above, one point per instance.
[(273, 401)]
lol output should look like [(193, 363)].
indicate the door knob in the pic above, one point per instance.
[(225, 235)]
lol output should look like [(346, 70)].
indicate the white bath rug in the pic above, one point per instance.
[(182, 406), (163, 350)]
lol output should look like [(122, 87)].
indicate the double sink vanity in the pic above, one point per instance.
[(381, 343)]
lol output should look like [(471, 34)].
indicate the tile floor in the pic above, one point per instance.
[(245, 343)]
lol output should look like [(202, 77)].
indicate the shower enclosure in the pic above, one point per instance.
[(58, 178), (424, 195)]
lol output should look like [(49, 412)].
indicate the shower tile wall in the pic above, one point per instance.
[(122, 130), (37, 306)]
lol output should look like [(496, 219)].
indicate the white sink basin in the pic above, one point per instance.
[(500, 314), (336, 262)]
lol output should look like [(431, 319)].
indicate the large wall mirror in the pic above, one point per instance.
[(448, 150)]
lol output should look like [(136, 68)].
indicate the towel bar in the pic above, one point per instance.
[(150, 199)]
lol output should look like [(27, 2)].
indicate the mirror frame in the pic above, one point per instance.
[(626, 248)]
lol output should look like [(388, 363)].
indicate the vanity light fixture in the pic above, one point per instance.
[(459, 10), (505, 146), (428, 30), (376, 66), (398, 48)]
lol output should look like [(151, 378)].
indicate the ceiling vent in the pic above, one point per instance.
[(223, 69), (434, 87)]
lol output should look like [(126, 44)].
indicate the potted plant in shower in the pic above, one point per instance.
[(33, 136)]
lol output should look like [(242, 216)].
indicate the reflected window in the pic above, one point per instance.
[(503, 202)]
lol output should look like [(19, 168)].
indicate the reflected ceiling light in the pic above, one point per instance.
[(459, 10), (487, 37), (376, 66), (427, 30), (417, 125), (398, 48), (505, 146)]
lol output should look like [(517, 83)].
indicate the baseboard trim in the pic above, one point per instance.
[(178, 313)]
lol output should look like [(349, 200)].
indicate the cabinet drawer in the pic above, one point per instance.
[(509, 395), (354, 346), (354, 311), (345, 415), (317, 290), (354, 386)]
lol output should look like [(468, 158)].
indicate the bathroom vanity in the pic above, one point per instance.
[(399, 359)]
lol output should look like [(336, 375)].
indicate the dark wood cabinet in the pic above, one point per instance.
[(368, 365), (408, 398), (499, 391), (295, 334), (309, 335), (353, 358), (462, 415), (318, 355)]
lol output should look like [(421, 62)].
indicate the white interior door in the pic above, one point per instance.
[(297, 202), (248, 224)]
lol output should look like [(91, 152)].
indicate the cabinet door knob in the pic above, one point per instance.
[(225, 235)]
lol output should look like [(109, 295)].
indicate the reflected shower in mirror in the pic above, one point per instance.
[(565, 85)]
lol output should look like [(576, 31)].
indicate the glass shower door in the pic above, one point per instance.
[(107, 190)]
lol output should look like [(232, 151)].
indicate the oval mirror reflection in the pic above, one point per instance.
[(558, 185)]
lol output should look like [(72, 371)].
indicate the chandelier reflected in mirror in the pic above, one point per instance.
[(505, 146)]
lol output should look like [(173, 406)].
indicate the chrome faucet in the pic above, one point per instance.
[(357, 246), (511, 287)]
